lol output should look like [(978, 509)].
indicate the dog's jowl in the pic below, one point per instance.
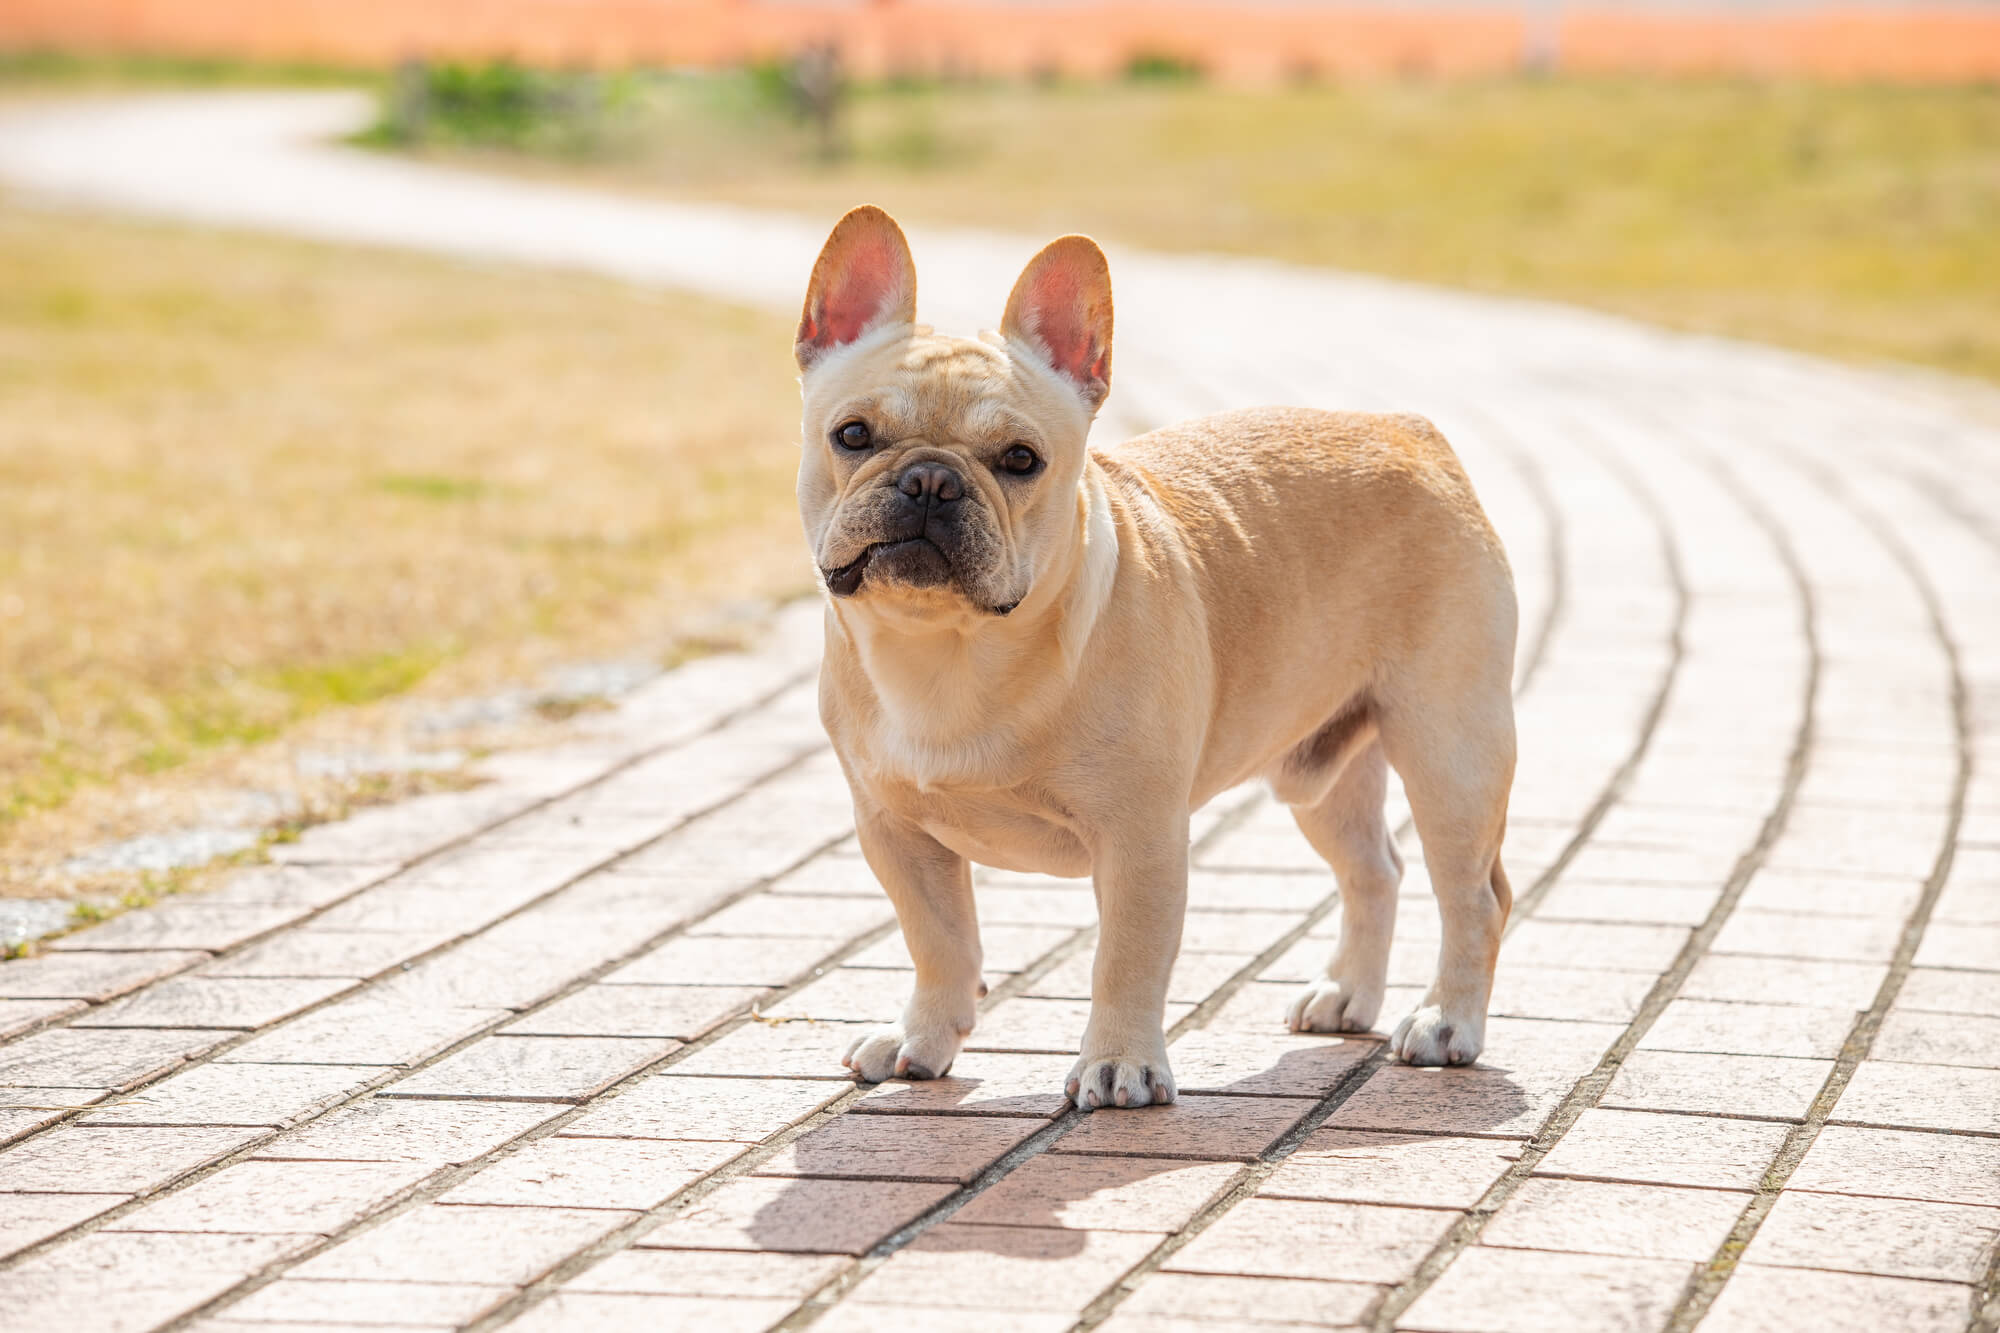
[(1042, 656)]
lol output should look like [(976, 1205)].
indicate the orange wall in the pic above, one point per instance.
[(1246, 42)]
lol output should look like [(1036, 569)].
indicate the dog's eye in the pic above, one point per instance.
[(1020, 460), (854, 435)]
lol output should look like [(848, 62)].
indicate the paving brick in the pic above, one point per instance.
[(1901, 1164), (1295, 1065), (29, 1219), (218, 1094), (954, 1148), (1237, 891), (1504, 1103), (79, 1159), (1780, 890), (1528, 1291), (25, 1110), (1195, 977), (1598, 1217), (1945, 1242), (308, 951), (90, 976), (315, 1303), (980, 1083), (1355, 1166), (1258, 1008), (1646, 904), (1864, 939), (871, 1319), (797, 916), (1239, 1301), (1152, 1194), (1350, 1242), (180, 924), (1949, 944), (1936, 990), (1206, 1128), (1029, 1025), (1770, 1087), (471, 1244), (253, 1197), (1578, 993), (798, 1049), (309, 886), (533, 1068), (377, 1129), (1615, 948), (830, 876), (1644, 1148), (1749, 1029), (156, 1278), (215, 1002), (847, 995), (369, 1028), (716, 1273), (100, 1057), (622, 1312), (1813, 983), (1241, 933), (686, 961), (17, 1016), (675, 1106), (593, 1173), (1938, 1039), (796, 1216), (683, 1012), (1759, 1298), (998, 1268), (1921, 1097), (1003, 948)]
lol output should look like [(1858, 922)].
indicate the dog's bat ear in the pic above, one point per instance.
[(864, 279), (1061, 307)]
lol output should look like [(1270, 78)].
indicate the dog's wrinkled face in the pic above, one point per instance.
[(940, 475)]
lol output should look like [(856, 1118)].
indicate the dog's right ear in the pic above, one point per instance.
[(864, 280)]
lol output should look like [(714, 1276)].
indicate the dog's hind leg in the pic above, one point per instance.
[(1345, 825), (1456, 757)]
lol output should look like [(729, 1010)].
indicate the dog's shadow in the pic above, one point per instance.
[(1149, 1170)]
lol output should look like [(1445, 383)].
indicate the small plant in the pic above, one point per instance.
[(1163, 67)]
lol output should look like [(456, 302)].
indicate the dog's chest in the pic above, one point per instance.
[(1008, 830)]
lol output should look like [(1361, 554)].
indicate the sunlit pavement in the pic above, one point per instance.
[(563, 1050)]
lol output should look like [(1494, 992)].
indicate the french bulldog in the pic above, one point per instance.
[(1042, 656)]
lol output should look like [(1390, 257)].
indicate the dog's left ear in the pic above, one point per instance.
[(864, 279), (1061, 307)]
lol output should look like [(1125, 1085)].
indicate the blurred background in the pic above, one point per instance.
[(287, 527)]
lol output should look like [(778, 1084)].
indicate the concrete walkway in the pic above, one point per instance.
[(562, 1051)]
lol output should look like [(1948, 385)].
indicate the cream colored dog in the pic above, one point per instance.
[(1042, 657)]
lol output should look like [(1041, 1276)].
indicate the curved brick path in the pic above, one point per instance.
[(561, 1052)]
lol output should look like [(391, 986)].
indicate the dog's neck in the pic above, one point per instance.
[(956, 700)]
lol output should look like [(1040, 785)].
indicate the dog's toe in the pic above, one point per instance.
[(891, 1052), (1120, 1081), (1333, 1006), (1431, 1037)]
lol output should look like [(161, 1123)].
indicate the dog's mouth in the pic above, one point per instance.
[(917, 561)]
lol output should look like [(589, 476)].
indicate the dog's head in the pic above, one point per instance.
[(941, 475)]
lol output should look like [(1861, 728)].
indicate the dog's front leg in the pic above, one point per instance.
[(931, 888), (1141, 906)]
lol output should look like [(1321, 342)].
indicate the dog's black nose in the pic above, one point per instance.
[(931, 483)]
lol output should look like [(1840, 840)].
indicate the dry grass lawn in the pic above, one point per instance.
[(1861, 221), (244, 482)]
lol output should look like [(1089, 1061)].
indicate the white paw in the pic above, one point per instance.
[(1120, 1080), (1429, 1037), (1333, 1006), (892, 1052)]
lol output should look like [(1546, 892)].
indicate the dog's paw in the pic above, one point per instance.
[(1333, 1006), (891, 1051), (1430, 1037), (1120, 1080)]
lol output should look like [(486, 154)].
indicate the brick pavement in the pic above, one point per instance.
[(562, 1051)]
